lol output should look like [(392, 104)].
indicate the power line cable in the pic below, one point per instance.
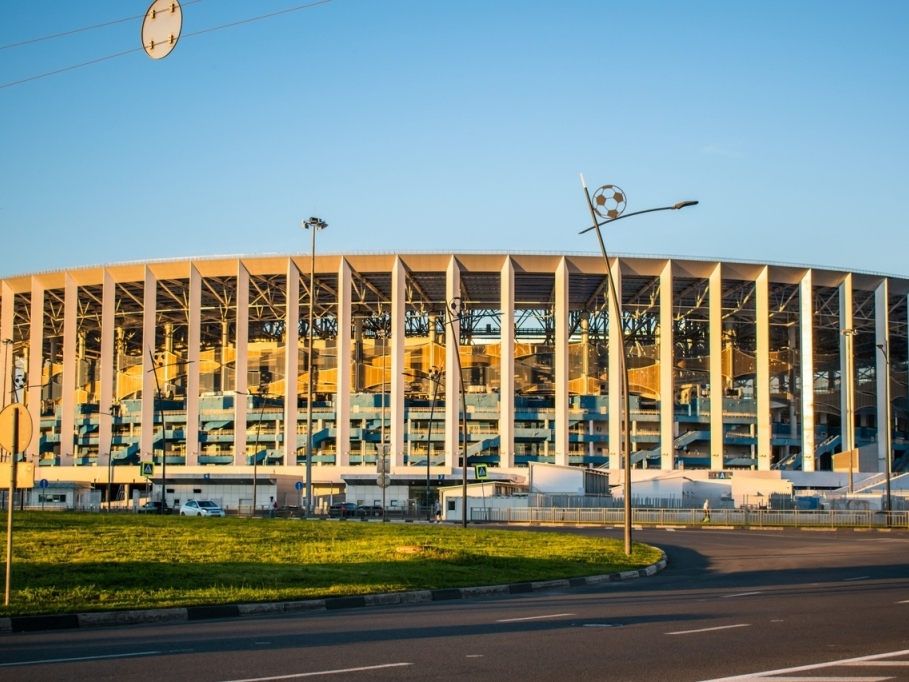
[(81, 30), (138, 49)]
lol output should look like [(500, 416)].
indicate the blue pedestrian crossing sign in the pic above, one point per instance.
[(480, 472), (147, 469)]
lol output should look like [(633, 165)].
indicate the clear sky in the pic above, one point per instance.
[(458, 125)]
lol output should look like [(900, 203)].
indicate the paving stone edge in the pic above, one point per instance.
[(16, 624)]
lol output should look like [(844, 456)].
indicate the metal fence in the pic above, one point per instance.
[(847, 518)]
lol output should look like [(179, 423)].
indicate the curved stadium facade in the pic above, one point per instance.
[(731, 365)]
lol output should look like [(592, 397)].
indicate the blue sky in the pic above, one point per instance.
[(424, 125)]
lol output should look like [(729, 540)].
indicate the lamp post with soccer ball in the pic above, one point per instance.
[(609, 202)]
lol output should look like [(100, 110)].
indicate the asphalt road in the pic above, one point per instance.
[(784, 605)]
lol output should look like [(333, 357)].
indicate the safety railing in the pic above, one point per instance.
[(836, 518)]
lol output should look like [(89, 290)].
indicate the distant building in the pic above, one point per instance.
[(732, 365)]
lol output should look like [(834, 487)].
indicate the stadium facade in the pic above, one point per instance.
[(732, 365)]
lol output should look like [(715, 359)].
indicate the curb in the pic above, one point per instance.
[(70, 621)]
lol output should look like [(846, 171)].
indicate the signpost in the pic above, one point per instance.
[(15, 435)]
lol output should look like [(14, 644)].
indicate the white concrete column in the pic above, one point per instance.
[(717, 384), (847, 365), (452, 378), (398, 299), (291, 363), (194, 339), (762, 368), (149, 315), (882, 373), (342, 397), (241, 381), (7, 314), (105, 429), (615, 377), (68, 398), (506, 366), (560, 368), (806, 355), (667, 371), (36, 361)]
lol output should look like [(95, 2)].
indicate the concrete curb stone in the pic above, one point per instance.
[(16, 624)]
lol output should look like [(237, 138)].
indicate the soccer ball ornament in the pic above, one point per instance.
[(609, 201)]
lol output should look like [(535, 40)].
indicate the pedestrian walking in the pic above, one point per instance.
[(706, 518), (437, 511)]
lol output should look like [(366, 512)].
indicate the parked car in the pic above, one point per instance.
[(342, 510), (290, 512), (365, 510), (154, 507), (201, 508)]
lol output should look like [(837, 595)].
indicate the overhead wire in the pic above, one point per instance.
[(82, 30), (138, 49)]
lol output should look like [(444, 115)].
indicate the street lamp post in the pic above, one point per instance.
[(887, 431), (312, 224), (610, 204), (159, 403), (263, 393), (434, 375), (456, 308)]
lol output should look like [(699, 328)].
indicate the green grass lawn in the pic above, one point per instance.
[(71, 562)]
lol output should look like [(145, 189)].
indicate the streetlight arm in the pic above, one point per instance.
[(675, 207)]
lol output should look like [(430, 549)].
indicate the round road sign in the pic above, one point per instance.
[(15, 428)]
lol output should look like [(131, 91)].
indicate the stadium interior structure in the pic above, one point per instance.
[(731, 365)]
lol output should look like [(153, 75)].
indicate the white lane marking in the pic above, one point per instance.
[(821, 679), (515, 620), (740, 594), (880, 664), (474, 656), (83, 658), (861, 577), (903, 602), (340, 671), (721, 627), (814, 666)]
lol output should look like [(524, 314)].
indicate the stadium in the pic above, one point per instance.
[(235, 367)]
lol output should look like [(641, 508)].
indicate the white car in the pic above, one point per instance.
[(200, 508)]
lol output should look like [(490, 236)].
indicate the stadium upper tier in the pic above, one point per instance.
[(730, 364)]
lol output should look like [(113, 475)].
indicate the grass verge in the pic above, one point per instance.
[(64, 563)]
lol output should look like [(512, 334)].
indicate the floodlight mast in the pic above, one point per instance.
[(313, 224)]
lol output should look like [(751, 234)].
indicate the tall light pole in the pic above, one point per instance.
[(159, 402), (263, 393), (435, 376), (313, 225), (887, 430), (456, 308), (609, 203)]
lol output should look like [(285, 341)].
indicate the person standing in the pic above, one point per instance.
[(706, 518), (272, 507)]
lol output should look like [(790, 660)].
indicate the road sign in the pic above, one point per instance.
[(480, 472), (43, 483), (25, 475), (441, 477), (147, 469), (382, 480), (298, 485), (15, 428)]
